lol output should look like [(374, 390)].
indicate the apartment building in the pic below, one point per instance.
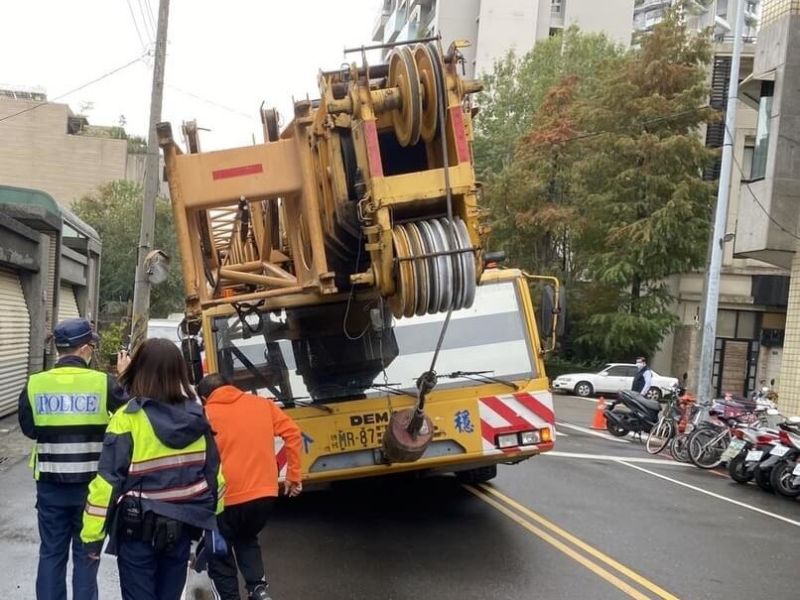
[(768, 223), (493, 27), (46, 146)]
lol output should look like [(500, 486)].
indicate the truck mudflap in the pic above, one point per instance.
[(482, 429)]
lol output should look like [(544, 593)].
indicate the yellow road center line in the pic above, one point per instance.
[(591, 550), (561, 546)]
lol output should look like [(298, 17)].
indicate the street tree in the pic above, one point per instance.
[(532, 213), (516, 88), (645, 208), (115, 210)]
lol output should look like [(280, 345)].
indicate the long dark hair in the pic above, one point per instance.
[(157, 371)]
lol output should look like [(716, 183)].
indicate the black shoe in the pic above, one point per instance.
[(260, 593)]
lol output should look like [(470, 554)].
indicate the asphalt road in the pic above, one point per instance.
[(595, 519)]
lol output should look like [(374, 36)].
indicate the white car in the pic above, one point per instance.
[(614, 378)]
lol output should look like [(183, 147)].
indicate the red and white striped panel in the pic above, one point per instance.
[(514, 412), (280, 458)]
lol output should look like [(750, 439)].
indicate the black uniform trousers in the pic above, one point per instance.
[(240, 525)]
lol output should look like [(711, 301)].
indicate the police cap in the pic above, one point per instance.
[(72, 333)]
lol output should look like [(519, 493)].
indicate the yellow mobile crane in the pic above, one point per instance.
[(339, 267)]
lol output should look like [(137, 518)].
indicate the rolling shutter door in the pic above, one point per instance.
[(51, 280), (67, 305), (15, 328)]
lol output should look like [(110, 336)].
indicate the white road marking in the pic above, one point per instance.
[(592, 400), (626, 462), (608, 457), (593, 432), (562, 434)]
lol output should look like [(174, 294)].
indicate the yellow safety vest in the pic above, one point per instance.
[(70, 412)]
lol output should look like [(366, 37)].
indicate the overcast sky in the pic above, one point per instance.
[(224, 56)]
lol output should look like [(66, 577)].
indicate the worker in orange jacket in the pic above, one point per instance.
[(245, 426)]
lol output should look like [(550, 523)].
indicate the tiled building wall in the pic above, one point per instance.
[(790, 369)]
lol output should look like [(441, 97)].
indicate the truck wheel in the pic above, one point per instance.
[(479, 475)]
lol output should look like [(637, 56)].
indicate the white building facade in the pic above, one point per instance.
[(493, 27)]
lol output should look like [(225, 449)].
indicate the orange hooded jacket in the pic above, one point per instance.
[(245, 426)]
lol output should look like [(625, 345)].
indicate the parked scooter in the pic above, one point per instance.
[(750, 446), (785, 475), (631, 412)]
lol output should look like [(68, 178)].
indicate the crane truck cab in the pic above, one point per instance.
[(341, 377)]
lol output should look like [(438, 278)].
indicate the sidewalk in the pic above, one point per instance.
[(19, 532)]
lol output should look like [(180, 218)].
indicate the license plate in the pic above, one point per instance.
[(733, 449), (779, 450), (753, 456), (359, 438), (796, 471)]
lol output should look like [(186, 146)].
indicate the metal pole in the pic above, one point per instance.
[(141, 290), (711, 303)]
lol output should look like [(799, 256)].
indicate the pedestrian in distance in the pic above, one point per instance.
[(644, 377), (158, 482), (245, 426), (66, 410)]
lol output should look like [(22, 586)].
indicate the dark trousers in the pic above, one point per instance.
[(145, 574), (60, 527), (240, 525)]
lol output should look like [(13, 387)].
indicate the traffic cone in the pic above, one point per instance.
[(599, 420)]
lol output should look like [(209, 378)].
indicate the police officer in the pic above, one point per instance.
[(66, 410), (159, 481)]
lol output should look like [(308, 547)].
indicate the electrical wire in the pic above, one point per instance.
[(136, 25), (234, 111), (147, 21), (150, 15), (755, 197), (77, 89), (350, 301)]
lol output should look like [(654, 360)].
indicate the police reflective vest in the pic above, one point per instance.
[(70, 412), (185, 484)]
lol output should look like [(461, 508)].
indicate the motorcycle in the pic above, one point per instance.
[(632, 412), (785, 475), (750, 446)]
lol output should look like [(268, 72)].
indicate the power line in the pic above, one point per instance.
[(642, 123), (211, 102), (77, 89), (757, 201), (147, 26), (150, 15), (136, 25)]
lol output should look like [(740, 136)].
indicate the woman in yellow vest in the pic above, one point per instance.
[(158, 482)]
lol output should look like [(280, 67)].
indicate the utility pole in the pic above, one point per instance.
[(141, 290), (711, 302)]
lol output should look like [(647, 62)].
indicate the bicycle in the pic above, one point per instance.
[(707, 443), (665, 429)]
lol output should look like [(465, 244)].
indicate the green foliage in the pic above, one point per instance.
[(593, 160), (110, 342), (115, 212), (646, 207), (514, 92), (137, 145)]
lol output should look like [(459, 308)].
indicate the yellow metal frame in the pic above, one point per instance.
[(302, 178)]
